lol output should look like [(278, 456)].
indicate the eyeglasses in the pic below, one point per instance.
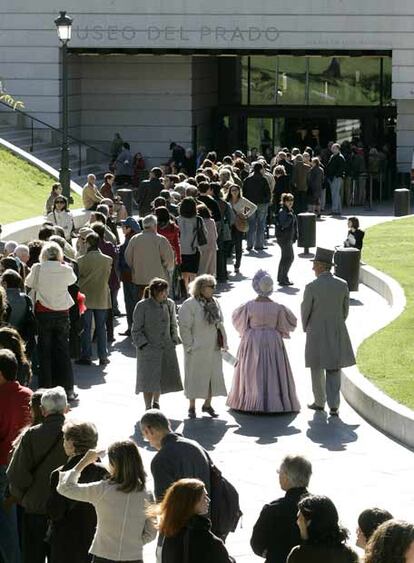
[(210, 285)]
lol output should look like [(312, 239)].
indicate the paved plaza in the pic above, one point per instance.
[(353, 463)]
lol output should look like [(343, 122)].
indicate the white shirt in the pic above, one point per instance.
[(62, 219), (50, 281), (122, 528)]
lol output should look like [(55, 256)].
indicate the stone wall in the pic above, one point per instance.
[(29, 57)]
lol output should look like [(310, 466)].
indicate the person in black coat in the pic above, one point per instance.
[(355, 234), (276, 532), (73, 523), (257, 190), (286, 234), (186, 527), (148, 190), (282, 186)]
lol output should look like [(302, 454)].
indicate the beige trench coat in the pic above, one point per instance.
[(203, 365)]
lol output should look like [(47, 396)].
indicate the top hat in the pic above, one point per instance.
[(324, 255)]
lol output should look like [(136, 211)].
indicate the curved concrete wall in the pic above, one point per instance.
[(372, 404)]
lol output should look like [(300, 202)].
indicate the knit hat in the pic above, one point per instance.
[(263, 283)]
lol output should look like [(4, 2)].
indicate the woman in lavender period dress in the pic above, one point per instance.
[(263, 380)]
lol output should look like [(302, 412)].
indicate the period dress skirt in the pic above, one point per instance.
[(263, 380)]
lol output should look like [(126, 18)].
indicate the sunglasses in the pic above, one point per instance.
[(209, 285), (59, 201)]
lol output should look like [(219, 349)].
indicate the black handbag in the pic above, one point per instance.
[(201, 236)]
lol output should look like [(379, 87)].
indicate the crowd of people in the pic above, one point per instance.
[(59, 295)]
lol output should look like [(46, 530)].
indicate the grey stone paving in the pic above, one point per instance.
[(354, 464)]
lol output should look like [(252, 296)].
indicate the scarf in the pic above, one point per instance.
[(211, 310)]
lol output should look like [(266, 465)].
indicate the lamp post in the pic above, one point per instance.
[(64, 31)]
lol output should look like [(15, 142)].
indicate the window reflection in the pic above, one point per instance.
[(263, 80), (317, 80), (345, 81), (291, 85)]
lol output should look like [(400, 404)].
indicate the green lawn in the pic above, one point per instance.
[(23, 189), (387, 357)]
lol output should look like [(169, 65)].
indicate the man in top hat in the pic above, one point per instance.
[(328, 348)]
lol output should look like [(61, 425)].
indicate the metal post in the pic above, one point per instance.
[(80, 159), (31, 136), (64, 172)]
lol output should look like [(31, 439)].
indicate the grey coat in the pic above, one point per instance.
[(324, 311), (155, 335)]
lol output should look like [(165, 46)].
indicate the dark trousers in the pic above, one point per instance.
[(301, 202), (54, 351), (221, 263), (102, 560), (130, 298), (34, 548), (286, 260), (237, 239)]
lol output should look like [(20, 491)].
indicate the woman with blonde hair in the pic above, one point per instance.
[(226, 180), (202, 331), (120, 502), (49, 282), (184, 523)]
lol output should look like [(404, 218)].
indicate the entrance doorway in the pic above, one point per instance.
[(265, 133)]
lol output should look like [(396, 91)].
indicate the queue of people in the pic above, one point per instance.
[(58, 300), (80, 504)]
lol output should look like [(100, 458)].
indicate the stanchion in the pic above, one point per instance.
[(402, 205), (347, 262), (306, 231), (126, 195)]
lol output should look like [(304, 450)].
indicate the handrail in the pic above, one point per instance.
[(52, 127)]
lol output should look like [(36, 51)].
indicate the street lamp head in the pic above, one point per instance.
[(64, 27)]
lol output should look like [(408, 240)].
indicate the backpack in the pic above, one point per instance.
[(224, 508)]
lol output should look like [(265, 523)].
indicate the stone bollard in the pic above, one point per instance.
[(347, 262), (402, 205), (306, 231), (126, 195)]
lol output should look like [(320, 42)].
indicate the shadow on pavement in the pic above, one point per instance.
[(289, 290), (207, 431), (124, 346), (265, 427), (89, 376), (331, 433)]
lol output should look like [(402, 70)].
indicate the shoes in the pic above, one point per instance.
[(191, 413), (334, 412), (83, 362), (209, 410), (72, 396), (286, 283), (236, 270), (155, 405), (249, 248), (126, 333), (315, 407), (110, 340), (104, 361), (118, 313)]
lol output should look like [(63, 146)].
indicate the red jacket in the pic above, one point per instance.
[(172, 233), (14, 415)]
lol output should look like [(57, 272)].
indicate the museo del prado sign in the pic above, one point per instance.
[(172, 34)]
